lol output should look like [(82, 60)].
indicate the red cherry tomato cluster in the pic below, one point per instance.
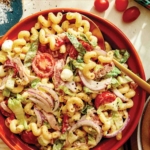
[(129, 14)]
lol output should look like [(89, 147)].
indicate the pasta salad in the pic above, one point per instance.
[(59, 90)]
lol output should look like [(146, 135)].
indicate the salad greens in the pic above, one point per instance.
[(31, 53)]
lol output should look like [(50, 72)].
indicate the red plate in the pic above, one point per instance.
[(117, 40)]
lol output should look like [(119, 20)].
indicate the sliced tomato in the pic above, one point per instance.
[(28, 137), (103, 98), (43, 65)]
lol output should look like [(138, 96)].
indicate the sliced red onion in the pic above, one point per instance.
[(39, 117), (110, 135), (71, 85), (94, 85), (34, 94), (120, 95), (91, 124), (42, 96), (5, 107), (40, 104), (52, 121), (53, 94)]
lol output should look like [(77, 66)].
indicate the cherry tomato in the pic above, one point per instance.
[(101, 5), (121, 5), (28, 137), (131, 14), (43, 65), (103, 98)]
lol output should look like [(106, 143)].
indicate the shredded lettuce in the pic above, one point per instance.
[(87, 90), (83, 37), (78, 65), (115, 83), (85, 109), (35, 82), (10, 83), (79, 59), (124, 79), (72, 137), (70, 66), (15, 105), (98, 67), (6, 92), (31, 53), (66, 90), (58, 145), (121, 55), (91, 140), (113, 73)]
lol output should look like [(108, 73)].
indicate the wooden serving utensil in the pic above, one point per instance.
[(142, 83)]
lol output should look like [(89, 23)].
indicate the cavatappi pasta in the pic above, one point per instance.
[(58, 85)]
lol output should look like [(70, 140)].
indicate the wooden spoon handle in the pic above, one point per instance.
[(142, 83)]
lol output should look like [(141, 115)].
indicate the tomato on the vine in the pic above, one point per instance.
[(131, 14), (101, 5), (121, 5), (43, 65), (103, 98)]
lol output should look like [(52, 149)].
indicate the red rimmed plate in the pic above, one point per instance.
[(118, 40)]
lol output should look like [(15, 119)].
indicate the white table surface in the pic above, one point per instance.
[(137, 31)]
